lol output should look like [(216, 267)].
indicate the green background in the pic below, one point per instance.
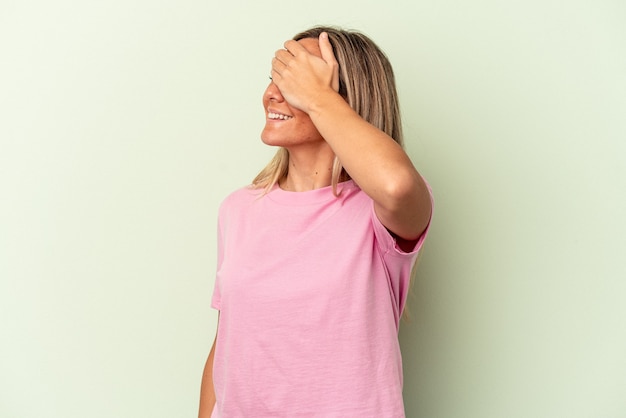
[(123, 124)]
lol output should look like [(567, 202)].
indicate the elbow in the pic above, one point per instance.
[(408, 206), (404, 190)]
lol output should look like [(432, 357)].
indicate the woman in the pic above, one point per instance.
[(314, 259)]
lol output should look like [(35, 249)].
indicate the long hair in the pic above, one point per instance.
[(366, 82)]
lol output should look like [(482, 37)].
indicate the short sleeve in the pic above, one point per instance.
[(398, 263)]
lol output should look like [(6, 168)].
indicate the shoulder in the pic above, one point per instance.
[(242, 196)]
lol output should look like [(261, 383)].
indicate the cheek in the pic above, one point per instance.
[(308, 131)]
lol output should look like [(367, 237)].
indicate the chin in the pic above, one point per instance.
[(268, 140), (274, 139)]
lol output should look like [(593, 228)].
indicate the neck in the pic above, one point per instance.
[(309, 169)]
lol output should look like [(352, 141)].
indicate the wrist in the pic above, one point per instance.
[(326, 101)]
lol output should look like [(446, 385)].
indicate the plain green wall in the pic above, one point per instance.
[(124, 123)]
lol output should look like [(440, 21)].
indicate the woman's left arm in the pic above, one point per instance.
[(374, 160)]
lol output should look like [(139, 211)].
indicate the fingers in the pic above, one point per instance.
[(294, 48), (329, 57), (327, 49), (280, 62), (283, 56)]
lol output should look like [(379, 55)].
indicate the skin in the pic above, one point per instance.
[(320, 124), (207, 391)]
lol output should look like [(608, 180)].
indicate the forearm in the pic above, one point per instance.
[(207, 391)]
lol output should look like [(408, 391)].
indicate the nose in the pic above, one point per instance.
[(273, 93)]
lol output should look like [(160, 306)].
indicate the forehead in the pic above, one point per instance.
[(312, 45)]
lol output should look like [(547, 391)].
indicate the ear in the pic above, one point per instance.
[(329, 57)]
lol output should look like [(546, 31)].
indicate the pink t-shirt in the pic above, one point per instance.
[(310, 289)]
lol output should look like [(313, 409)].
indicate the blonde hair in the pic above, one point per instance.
[(366, 82)]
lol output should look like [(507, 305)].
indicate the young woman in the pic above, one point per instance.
[(315, 258)]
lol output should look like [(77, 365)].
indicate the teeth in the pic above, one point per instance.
[(271, 115)]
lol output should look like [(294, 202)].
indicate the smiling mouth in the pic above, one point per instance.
[(278, 116)]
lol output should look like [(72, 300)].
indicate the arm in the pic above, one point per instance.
[(374, 160), (377, 164), (207, 392)]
